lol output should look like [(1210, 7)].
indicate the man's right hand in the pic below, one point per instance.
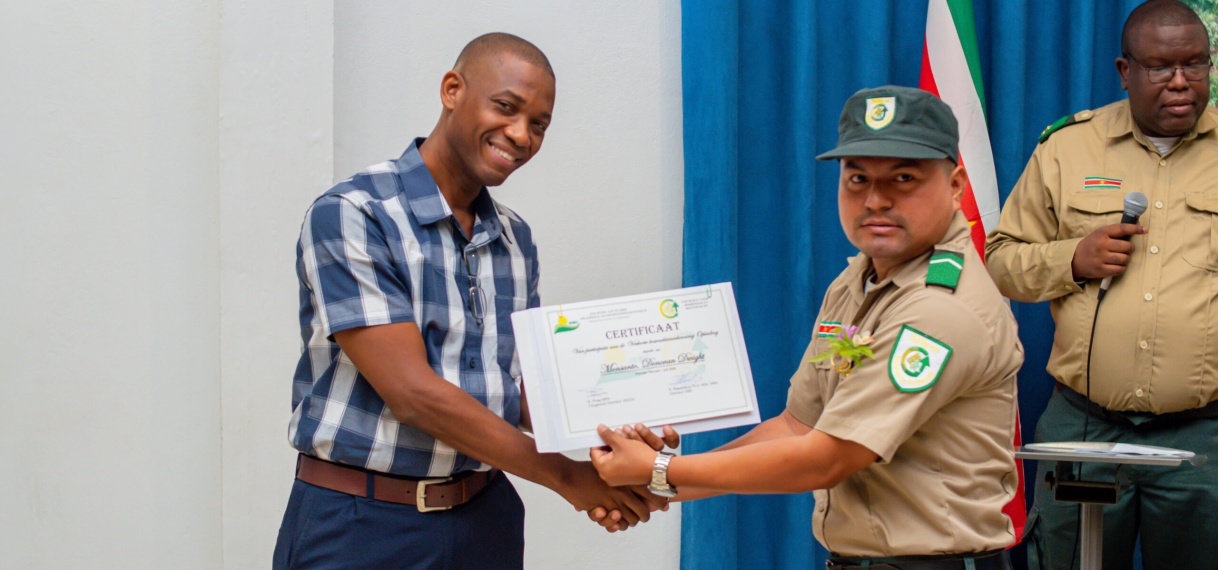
[(583, 488), (1104, 252)]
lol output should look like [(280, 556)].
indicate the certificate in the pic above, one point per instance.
[(674, 357)]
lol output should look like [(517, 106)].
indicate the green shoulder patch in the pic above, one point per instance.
[(1079, 117), (944, 269), (917, 360)]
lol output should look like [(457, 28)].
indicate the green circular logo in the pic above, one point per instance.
[(915, 361), (668, 308)]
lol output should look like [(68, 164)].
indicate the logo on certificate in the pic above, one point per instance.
[(668, 308), (564, 325)]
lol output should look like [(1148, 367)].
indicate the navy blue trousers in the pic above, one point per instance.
[(327, 529)]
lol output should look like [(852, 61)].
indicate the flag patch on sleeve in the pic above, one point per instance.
[(828, 329)]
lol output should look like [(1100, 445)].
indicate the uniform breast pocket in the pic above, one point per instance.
[(504, 306), (820, 345), (1089, 210), (511, 303), (1199, 245)]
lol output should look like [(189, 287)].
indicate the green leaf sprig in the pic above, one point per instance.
[(847, 351)]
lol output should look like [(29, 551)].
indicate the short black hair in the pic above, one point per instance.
[(496, 43), (1159, 13)]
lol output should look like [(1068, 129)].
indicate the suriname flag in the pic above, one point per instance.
[(1101, 183)]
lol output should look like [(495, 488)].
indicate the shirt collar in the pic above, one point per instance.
[(1122, 124), (428, 204), (958, 238)]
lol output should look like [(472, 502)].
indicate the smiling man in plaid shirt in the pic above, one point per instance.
[(406, 400)]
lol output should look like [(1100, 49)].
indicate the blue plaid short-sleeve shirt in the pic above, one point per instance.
[(383, 247)]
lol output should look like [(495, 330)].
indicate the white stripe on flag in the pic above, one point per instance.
[(955, 84)]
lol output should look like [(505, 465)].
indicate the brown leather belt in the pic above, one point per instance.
[(426, 494)]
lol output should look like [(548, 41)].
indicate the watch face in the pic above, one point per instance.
[(667, 491)]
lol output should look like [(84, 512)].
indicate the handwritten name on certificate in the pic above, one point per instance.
[(674, 357)]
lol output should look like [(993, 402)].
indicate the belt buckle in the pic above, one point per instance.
[(421, 495)]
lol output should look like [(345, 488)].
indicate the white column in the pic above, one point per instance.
[(109, 424), (604, 196), (276, 92)]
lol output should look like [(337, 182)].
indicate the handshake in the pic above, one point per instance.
[(620, 498)]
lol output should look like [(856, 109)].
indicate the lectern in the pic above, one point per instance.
[(1093, 495)]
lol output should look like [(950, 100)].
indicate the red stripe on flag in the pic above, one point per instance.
[(968, 202), (926, 81), (968, 205), (1016, 509)]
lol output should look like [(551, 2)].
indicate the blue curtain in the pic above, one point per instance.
[(763, 84)]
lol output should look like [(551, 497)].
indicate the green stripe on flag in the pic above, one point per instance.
[(966, 28), (1101, 183)]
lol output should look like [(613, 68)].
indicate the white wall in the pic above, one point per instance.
[(109, 400), (604, 195), (276, 151), (159, 158)]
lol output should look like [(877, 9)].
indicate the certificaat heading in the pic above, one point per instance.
[(674, 326)]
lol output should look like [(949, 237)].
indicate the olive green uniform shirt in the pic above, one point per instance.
[(946, 466), (1156, 338)]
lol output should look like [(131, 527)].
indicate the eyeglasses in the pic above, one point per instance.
[(1164, 74), (477, 297)]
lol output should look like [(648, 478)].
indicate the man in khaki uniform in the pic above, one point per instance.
[(1154, 360), (909, 446)]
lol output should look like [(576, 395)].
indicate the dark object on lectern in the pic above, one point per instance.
[(1066, 487)]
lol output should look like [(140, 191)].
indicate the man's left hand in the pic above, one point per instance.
[(626, 462)]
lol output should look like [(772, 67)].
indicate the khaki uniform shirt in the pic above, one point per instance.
[(946, 466), (1156, 339)]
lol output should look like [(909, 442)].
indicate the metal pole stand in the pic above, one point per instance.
[(1093, 495)]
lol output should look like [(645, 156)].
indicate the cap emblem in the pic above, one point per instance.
[(880, 111)]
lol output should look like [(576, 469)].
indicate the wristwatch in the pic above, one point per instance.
[(659, 476)]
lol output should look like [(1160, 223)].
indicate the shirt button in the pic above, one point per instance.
[(1139, 393), (1162, 163), (1154, 249), (1143, 345), (1148, 296), (1159, 203), (473, 363)]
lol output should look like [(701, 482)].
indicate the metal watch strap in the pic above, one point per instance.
[(659, 471)]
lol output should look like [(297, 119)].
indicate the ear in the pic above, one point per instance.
[(959, 182), (451, 88), (1122, 67)]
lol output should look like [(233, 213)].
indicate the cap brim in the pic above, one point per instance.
[(885, 149)]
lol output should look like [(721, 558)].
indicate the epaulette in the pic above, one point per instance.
[(1079, 117), (944, 269)]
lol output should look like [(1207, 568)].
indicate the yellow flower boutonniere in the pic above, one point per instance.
[(847, 350)]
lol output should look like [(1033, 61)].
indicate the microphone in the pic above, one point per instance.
[(1135, 206)]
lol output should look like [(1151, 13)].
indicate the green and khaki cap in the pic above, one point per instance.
[(896, 122)]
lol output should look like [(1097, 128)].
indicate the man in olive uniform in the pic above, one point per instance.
[(1150, 376), (908, 449)]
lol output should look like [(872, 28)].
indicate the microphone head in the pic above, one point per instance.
[(1136, 204)]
